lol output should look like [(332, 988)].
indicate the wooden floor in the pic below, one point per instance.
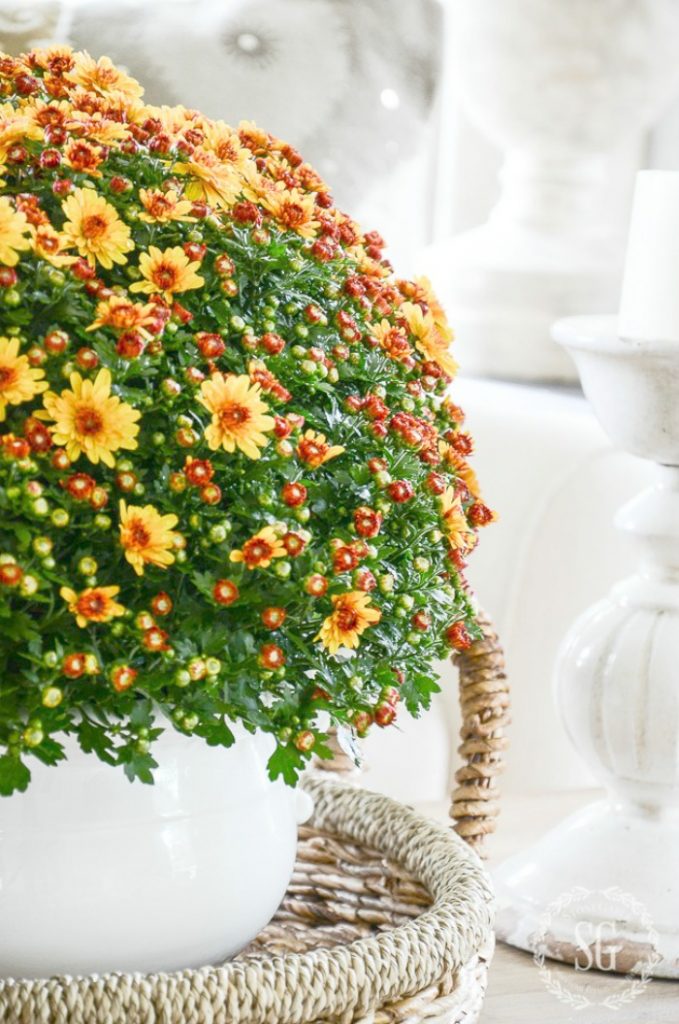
[(517, 994)]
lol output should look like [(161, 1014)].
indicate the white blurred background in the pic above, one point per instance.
[(493, 144)]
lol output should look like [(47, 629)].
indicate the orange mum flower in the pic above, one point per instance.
[(146, 536), (97, 128), (15, 126), (267, 380), (424, 286), (13, 230), (350, 617), (458, 531), (392, 339), (462, 468), (82, 156), (89, 419), (29, 205), (162, 207), (19, 382), (95, 229), (314, 450), (57, 59), (256, 139), (102, 76), (260, 550), (293, 209), (49, 245), (122, 314), (167, 271), (428, 338), (224, 142), (95, 604), (210, 179), (123, 677), (239, 416)]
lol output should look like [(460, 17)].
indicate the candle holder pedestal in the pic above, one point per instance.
[(617, 685)]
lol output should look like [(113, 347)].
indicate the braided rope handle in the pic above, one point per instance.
[(484, 703)]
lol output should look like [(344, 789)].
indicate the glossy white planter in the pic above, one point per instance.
[(99, 874)]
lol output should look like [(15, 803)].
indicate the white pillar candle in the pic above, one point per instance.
[(649, 305)]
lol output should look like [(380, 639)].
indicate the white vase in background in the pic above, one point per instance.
[(25, 26), (296, 67), (98, 874), (617, 693), (565, 91)]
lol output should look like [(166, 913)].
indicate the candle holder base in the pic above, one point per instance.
[(601, 890), (598, 891)]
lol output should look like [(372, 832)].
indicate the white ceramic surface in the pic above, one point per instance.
[(617, 684), (99, 874)]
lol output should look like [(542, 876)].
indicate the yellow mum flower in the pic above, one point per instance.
[(39, 113), (46, 57), (166, 272), (95, 229), (102, 76), (96, 127), (16, 125), (19, 382), (162, 207), (366, 265), (146, 536), (255, 184), (437, 310), (459, 533), (256, 139), (49, 245), (428, 338), (351, 616), (89, 420), (174, 120), (462, 468), (260, 550), (210, 179), (239, 416), (225, 143), (95, 604), (13, 230), (293, 209)]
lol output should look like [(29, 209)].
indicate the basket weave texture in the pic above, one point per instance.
[(388, 917)]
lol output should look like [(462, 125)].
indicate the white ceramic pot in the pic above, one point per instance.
[(98, 874)]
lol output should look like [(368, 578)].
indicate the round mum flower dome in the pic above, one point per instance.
[(233, 487)]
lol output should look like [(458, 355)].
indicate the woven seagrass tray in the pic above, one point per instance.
[(388, 917)]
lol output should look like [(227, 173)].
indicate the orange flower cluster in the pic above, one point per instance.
[(223, 418)]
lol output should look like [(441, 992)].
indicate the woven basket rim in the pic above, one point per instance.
[(337, 982)]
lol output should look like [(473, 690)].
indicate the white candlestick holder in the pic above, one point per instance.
[(617, 686)]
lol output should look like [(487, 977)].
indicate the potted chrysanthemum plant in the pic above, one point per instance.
[(235, 509)]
